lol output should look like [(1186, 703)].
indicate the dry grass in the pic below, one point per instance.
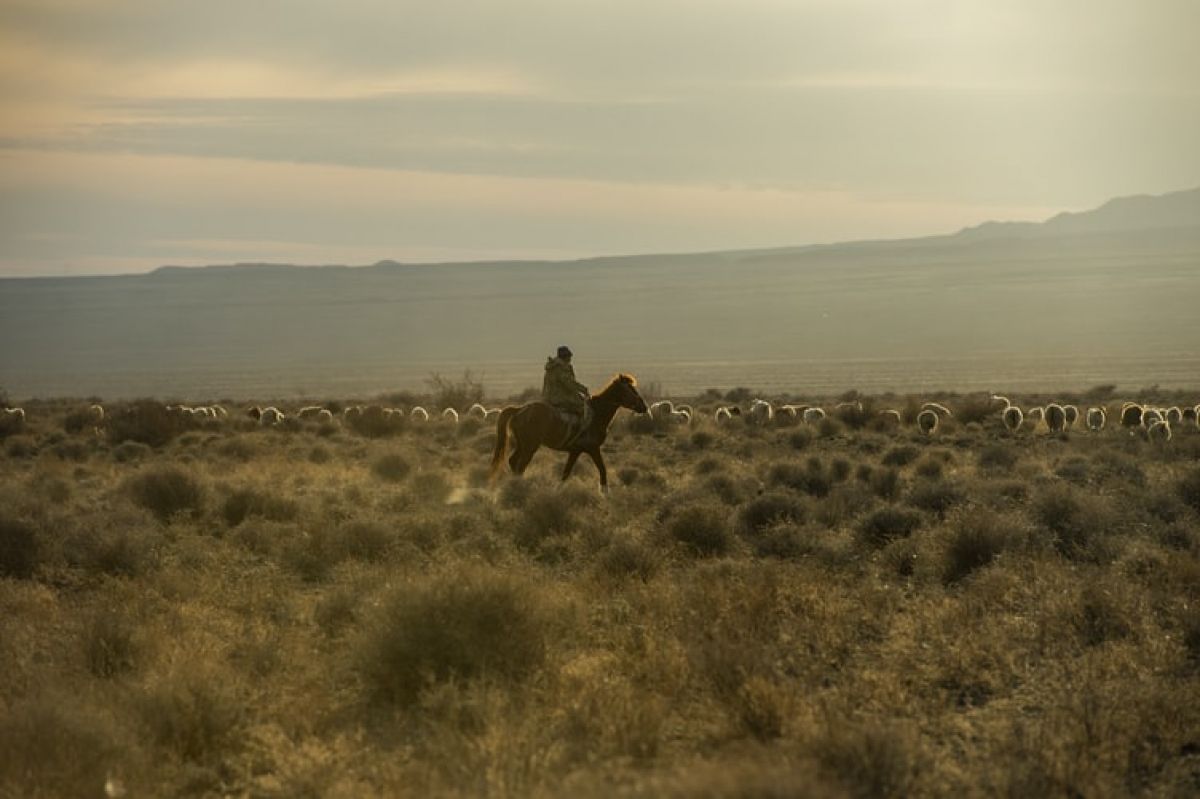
[(828, 610)]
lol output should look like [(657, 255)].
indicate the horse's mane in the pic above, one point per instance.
[(622, 377)]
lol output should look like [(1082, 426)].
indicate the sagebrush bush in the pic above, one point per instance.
[(929, 468), (131, 451), (998, 457), (55, 746), (393, 468), (888, 524), (901, 455), (147, 422), (120, 548), (1188, 489), (811, 478), (800, 439), (769, 509), (18, 548), (702, 529), (976, 538), (627, 556), (195, 714), (166, 491), (20, 447), (885, 483), (246, 502), (467, 625), (1075, 521), (109, 644), (551, 513), (936, 496), (872, 760), (364, 540)]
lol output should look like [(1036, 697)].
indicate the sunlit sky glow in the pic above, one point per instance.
[(134, 134)]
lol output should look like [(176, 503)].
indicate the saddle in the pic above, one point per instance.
[(574, 423)]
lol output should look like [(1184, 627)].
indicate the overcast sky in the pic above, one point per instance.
[(134, 134)]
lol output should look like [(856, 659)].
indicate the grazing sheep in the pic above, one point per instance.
[(1159, 432), (661, 409), (1012, 418), (1131, 414), (419, 414), (853, 405), (927, 421), (271, 416), (221, 412), (722, 415), (1096, 419), (1036, 415), (1174, 415), (688, 409), (12, 419), (450, 415), (254, 412), (309, 412), (96, 414), (680, 417), (477, 411), (1055, 418), (351, 412), (1150, 416), (891, 416), (1000, 398), (794, 411), (325, 416), (761, 411), (813, 415), (937, 408), (1072, 414), (491, 413), (1191, 414)]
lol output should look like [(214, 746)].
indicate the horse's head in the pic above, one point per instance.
[(623, 391)]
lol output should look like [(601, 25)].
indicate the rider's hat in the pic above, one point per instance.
[(564, 351)]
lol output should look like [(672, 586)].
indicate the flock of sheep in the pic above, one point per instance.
[(1156, 423)]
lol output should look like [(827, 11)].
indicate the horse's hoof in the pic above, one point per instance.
[(604, 491)]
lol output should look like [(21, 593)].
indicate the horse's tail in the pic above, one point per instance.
[(506, 416)]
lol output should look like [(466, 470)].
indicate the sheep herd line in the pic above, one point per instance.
[(1151, 421)]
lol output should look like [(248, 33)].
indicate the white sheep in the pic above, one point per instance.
[(477, 411), (937, 408), (96, 414), (680, 416), (1174, 415), (1131, 414), (1036, 415), (722, 415), (661, 409), (1150, 416), (813, 415), (1072, 415), (271, 416), (891, 416), (12, 419), (927, 421), (325, 416), (450, 415), (761, 411), (1056, 418), (1012, 418), (1159, 431), (419, 414), (491, 413), (309, 412), (1096, 419)]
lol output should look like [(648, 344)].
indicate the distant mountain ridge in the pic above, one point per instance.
[(1141, 212)]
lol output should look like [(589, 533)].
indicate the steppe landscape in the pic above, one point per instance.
[(347, 607)]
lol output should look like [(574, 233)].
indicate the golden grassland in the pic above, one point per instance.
[(784, 610)]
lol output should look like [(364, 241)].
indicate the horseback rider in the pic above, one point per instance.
[(564, 393)]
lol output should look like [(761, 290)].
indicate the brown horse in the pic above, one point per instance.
[(537, 424)]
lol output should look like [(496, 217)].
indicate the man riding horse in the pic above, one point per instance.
[(565, 394)]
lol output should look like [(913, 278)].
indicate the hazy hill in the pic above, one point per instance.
[(1110, 295)]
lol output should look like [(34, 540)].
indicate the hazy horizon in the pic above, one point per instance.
[(135, 134)]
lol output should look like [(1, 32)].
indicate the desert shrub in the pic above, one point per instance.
[(110, 648), (77, 421), (702, 529), (551, 514), (374, 423), (392, 468), (975, 540), (18, 548), (337, 611), (811, 478), (71, 450), (516, 493), (166, 491), (845, 502), (885, 483), (196, 715), (461, 393), (936, 496), (363, 540), (238, 448), (830, 428), (627, 556), (702, 439), (20, 447), (430, 486), (319, 455), (726, 489), (1119, 467), (470, 624), (840, 470), (131, 451), (121, 547), (1072, 520), (1188, 489), (770, 509), (147, 422), (1190, 637), (800, 439), (900, 455), (1101, 616), (929, 468), (997, 457), (1074, 470), (870, 760), (887, 524), (246, 502), (51, 746)]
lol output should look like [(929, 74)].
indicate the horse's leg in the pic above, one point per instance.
[(599, 461), (574, 456), (522, 458)]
